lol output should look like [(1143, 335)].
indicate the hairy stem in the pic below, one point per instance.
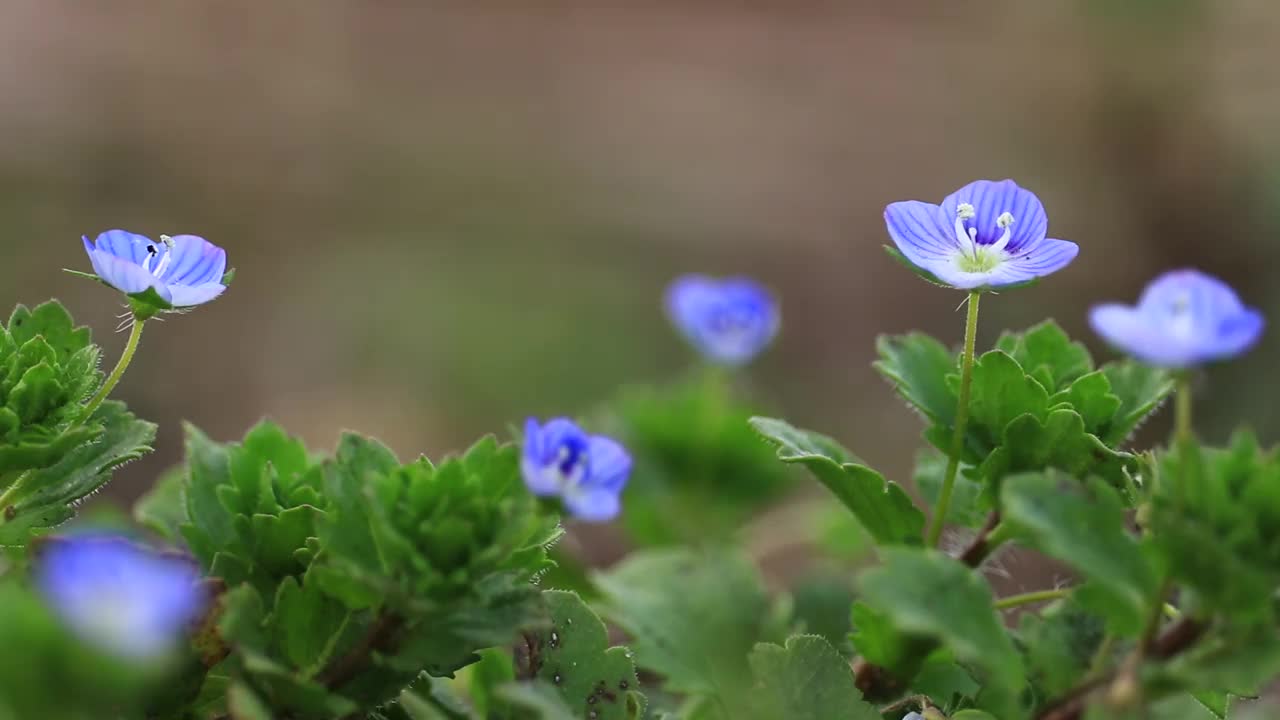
[(962, 419), (1031, 598), (130, 348)]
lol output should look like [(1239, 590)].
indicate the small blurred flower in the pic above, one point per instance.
[(913, 716), (729, 321), (587, 472), (987, 234), (119, 596), (1184, 318), (182, 271)]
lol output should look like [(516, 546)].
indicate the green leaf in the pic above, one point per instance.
[(243, 704), (692, 637), (1141, 390), (1216, 520), (883, 508), (1002, 393), (880, 643), (541, 698), (1090, 396), (918, 366), (573, 656), (927, 593), (1047, 354), (1059, 644), (1084, 527), (49, 495), (163, 509), (306, 625), (807, 680)]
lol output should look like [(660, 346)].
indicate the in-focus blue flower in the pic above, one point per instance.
[(587, 472), (987, 234), (119, 596), (183, 270), (1184, 318), (728, 320)]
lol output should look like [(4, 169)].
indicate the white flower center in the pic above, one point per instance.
[(977, 257)]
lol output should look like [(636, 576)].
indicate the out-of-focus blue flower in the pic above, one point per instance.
[(913, 716), (728, 320), (987, 234), (587, 472), (183, 270), (1184, 318), (119, 596)]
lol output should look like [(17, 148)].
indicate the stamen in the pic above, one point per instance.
[(966, 237), (1005, 221), (164, 263), (965, 211), (151, 254)]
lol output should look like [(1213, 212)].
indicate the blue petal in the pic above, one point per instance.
[(195, 261), (124, 245), (920, 231), (192, 295), (593, 505), (1045, 258), (1127, 329), (1239, 333), (118, 595), (990, 199), (125, 275), (729, 321), (610, 464)]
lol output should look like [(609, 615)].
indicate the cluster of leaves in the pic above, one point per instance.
[(689, 440), (51, 456), (349, 577), (1037, 402)]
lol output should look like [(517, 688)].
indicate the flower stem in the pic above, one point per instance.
[(1030, 598), (113, 379), (1182, 410), (962, 419)]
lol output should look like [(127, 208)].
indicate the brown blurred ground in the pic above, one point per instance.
[(448, 216)]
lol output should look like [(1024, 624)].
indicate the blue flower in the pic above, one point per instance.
[(183, 271), (119, 596), (985, 235), (587, 472), (729, 321), (1184, 318)]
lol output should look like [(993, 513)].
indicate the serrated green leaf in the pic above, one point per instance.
[(305, 623), (880, 643), (1047, 354), (927, 593), (1215, 519), (163, 509), (1059, 644), (807, 680), (1086, 529), (51, 492), (573, 656), (1141, 390), (1090, 396), (1002, 393), (883, 508), (917, 366), (692, 637)]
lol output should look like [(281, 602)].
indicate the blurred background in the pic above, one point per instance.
[(448, 216)]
